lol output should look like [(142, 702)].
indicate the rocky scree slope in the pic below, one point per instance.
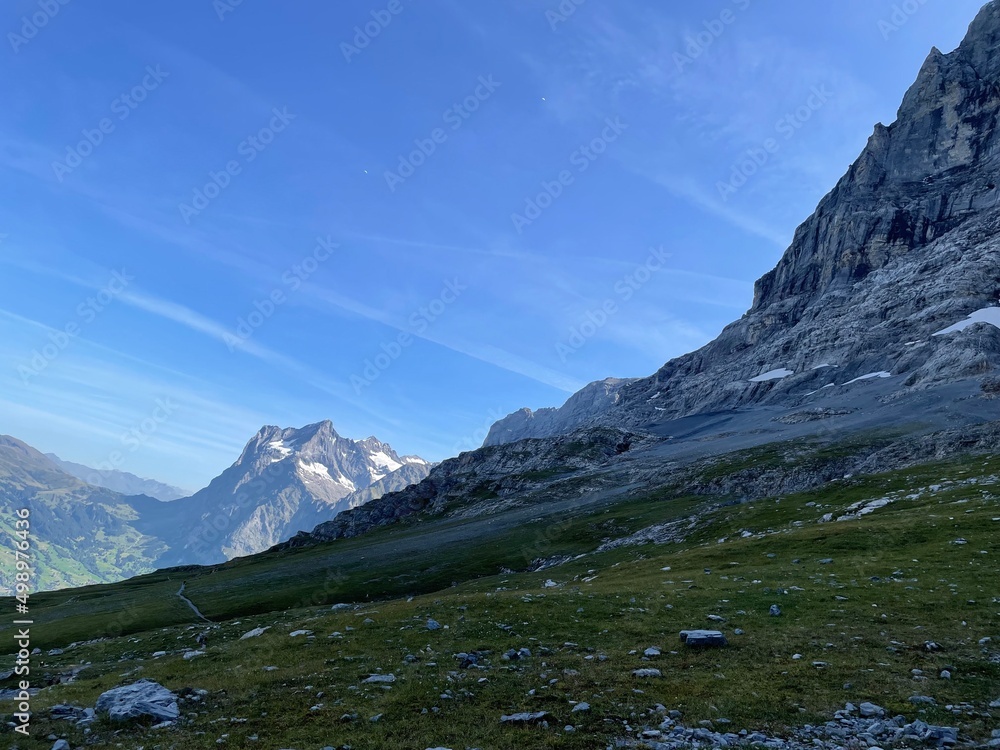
[(905, 246)]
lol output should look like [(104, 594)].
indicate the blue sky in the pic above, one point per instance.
[(216, 216)]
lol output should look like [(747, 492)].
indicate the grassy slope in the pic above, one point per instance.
[(871, 637)]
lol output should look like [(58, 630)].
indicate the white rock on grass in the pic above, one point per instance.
[(380, 679), (255, 633), (142, 698), (527, 718), (647, 673)]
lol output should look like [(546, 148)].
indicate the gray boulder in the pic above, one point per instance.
[(871, 711), (144, 698), (703, 638), (527, 718)]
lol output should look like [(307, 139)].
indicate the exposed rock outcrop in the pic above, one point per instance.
[(903, 247)]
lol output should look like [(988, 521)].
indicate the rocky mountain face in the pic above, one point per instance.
[(78, 534), (489, 479), (883, 311), (286, 480), (904, 247), (120, 481), (582, 408)]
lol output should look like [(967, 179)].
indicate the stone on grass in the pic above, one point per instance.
[(871, 711), (526, 718), (775, 610), (256, 632), (61, 745), (704, 638), (647, 673), (433, 624), (922, 700), (380, 679), (140, 699)]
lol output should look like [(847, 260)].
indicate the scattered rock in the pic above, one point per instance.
[(380, 679), (527, 718), (647, 673), (870, 710), (775, 610), (138, 700), (433, 624), (703, 638), (256, 632)]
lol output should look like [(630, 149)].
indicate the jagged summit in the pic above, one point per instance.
[(903, 248), (285, 480), (583, 406)]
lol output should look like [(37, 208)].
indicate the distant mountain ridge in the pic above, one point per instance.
[(119, 481), (286, 480), (79, 534)]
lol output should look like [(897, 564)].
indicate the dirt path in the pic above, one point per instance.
[(180, 593)]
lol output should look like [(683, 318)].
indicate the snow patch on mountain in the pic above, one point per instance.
[(870, 376), (989, 315), (772, 375)]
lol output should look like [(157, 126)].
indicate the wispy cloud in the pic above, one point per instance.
[(483, 352)]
